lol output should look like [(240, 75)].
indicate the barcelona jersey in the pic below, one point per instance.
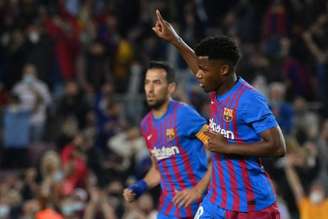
[(181, 158), (240, 183)]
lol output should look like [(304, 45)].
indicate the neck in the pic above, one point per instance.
[(159, 112), (227, 84)]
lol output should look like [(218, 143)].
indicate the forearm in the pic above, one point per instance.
[(108, 211), (203, 183), (255, 149), (90, 211), (294, 182), (153, 177), (315, 50), (187, 53)]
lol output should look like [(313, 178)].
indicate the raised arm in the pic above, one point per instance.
[(165, 31), (293, 179)]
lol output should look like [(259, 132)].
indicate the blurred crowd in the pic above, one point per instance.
[(71, 97)]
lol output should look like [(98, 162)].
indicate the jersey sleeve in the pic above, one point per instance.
[(189, 121), (142, 128), (256, 113)]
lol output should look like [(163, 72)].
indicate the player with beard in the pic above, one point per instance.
[(173, 132), (242, 129)]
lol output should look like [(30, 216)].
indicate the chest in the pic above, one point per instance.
[(162, 138)]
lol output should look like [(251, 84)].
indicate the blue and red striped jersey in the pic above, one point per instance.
[(180, 156), (240, 183)]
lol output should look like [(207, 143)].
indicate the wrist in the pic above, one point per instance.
[(177, 41), (139, 187), (198, 192)]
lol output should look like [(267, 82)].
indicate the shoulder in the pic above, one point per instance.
[(185, 110), (19, 87), (41, 85), (145, 120), (251, 96)]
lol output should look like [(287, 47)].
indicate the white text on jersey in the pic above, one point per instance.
[(217, 128), (165, 152)]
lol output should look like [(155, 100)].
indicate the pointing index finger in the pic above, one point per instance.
[(159, 16)]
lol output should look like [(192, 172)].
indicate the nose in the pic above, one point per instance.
[(199, 74), (149, 88)]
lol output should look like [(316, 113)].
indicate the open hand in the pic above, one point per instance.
[(164, 29), (185, 197), (129, 195)]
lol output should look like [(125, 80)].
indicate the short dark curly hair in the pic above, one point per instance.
[(219, 47), (170, 74)]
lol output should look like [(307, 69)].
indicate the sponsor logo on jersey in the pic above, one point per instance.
[(164, 152), (217, 128), (227, 114)]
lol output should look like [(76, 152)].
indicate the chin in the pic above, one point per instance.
[(207, 90)]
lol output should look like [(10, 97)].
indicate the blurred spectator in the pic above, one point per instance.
[(64, 33), (30, 186), (3, 95), (322, 153), (73, 104), (51, 175), (316, 40), (305, 121), (16, 117), (96, 65), (313, 204), (98, 204), (108, 114), (73, 205), (128, 148), (31, 92), (74, 164), (47, 210), (280, 108)]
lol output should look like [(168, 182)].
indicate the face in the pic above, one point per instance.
[(211, 73), (157, 89), (317, 193)]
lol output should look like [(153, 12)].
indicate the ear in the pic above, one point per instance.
[(225, 69), (172, 87)]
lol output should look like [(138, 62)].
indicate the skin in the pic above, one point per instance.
[(158, 94), (216, 75)]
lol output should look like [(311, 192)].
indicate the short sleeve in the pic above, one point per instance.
[(256, 113), (189, 121)]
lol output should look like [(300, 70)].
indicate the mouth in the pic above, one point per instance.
[(150, 98), (201, 83)]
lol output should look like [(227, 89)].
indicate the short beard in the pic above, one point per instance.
[(157, 105)]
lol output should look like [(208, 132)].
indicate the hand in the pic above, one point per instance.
[(164, 29), (186, 197), (216, 142), (129, 195), (95, 195)]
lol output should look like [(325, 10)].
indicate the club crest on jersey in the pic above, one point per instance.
[(170, 133), (227, 114)]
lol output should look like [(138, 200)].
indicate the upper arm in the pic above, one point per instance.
[(256, 113), (201, 136), (259, 116)]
